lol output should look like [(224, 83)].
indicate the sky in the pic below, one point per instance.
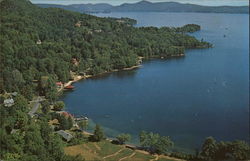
[(118, 2)]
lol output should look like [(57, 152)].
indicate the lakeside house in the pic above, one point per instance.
[(78, 24), (39, 42), (65, 114), (59, 85), (67, 136), (98, 31), (120, 21), (54, 124), (14, 93), (90, 32), (81, 118), (74, 61), (8, 102)]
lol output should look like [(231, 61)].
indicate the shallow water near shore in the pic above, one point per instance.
[(205, 93)]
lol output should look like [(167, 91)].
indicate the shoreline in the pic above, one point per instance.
[(140, 58), (134, 147), (79, 77), (139, 62)]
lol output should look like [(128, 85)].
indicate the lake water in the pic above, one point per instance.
[(205, 93)]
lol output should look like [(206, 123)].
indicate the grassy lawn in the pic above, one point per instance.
[(93, 151), (124, 153), (140, 157), (106, 151), (107, 148), (83, 151)]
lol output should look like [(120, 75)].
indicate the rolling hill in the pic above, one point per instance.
[(145, 6)]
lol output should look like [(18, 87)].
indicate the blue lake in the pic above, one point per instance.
[(205, 93)]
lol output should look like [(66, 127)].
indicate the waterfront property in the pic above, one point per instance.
[(66, 135)]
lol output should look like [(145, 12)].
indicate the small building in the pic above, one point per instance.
[(66, 114), (59, 84), (75, 125), (65, 135), (13, 131), (39, 42), (98, 31), (120, 21), (78, 24), (74, 61), (54, 124), (90, 32), (81, 118), (82, 74), (14, 93), (8, 102)]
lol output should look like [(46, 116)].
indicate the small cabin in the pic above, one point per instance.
[(59, 84), (66, 114), (39, 42), (65, 135), (8, 102), (78, 24), (98, 31), (14, 93), (74, 61), (82, 74), (90, 32), (120, 21)]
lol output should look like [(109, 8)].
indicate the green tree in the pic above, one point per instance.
[(64, 124), (209, 148), (98, 134), (51, 91), (122, 138), (70, 122), (45, 107), (155, 143), (21, 103), (83, 124), (47, 88), (59, 105), (21, 119), (34, 144), (240, 150), (55, 147)]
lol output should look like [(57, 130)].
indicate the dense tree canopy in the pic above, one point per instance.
[(23, 138), (122, 138), (237, 150), (155, 143), (98, 134), (41, 46)]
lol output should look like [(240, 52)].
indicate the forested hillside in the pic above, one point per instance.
[(42, 46), (38, 42)]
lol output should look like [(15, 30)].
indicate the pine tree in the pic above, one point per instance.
[(98, 133)]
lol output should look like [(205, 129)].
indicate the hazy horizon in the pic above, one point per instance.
[(119, 2)]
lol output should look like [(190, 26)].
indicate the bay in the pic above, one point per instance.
[(205, 93)]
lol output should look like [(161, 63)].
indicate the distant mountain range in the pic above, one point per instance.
[(145, 6), (100, 7)]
